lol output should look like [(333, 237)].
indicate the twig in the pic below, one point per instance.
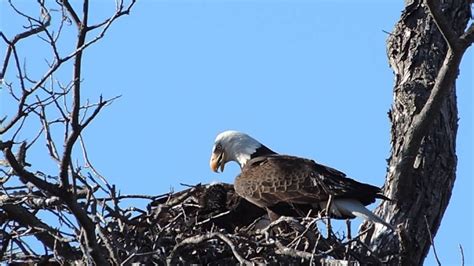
[(25, 175), (189, 186), (213, 217), (328, 215), (17, 38), (201, 238), (91, 166), (134, 196), (135, 254), (468, 37), (292, 252), (462, 254), (241, 260), (43, 232), (308, 226), (72, 12), (327, 252), (110, 249), (282, 219), (432, 242)]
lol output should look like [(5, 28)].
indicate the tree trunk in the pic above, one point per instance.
[(416, 51)]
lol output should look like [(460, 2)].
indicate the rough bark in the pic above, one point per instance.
[(421, 174)]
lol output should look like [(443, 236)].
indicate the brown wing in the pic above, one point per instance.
[(337, 184), (267, 181)]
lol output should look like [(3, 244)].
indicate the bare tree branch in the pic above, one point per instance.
[(462, 254), (69, 200), (25, 175), (18, 37), (47, 235), (72, 12), (432, 242), (468, 37)]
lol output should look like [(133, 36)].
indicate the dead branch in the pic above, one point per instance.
[(48, 236), (20, 36), (462, 254), (73, 205), (432, 242)]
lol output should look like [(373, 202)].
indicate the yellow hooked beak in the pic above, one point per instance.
[(217, 160)]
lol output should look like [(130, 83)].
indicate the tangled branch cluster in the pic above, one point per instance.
[(213, 225), (202, 224)]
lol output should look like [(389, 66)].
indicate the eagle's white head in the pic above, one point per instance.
[(235, 146)]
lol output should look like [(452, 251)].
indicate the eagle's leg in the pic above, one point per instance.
[(328, 215)]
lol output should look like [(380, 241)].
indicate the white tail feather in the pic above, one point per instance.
[(356, 208)]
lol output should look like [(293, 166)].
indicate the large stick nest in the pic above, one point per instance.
[(213, 225)]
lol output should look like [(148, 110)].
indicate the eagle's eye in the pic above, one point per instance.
[(218, 147)]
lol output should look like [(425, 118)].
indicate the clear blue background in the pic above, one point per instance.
[(307, 78)]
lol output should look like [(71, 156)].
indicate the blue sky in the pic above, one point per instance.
[(307, 78)]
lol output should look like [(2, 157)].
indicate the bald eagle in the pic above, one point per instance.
[(290, 185)]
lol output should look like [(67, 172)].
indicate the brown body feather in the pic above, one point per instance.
[(289, 185)]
